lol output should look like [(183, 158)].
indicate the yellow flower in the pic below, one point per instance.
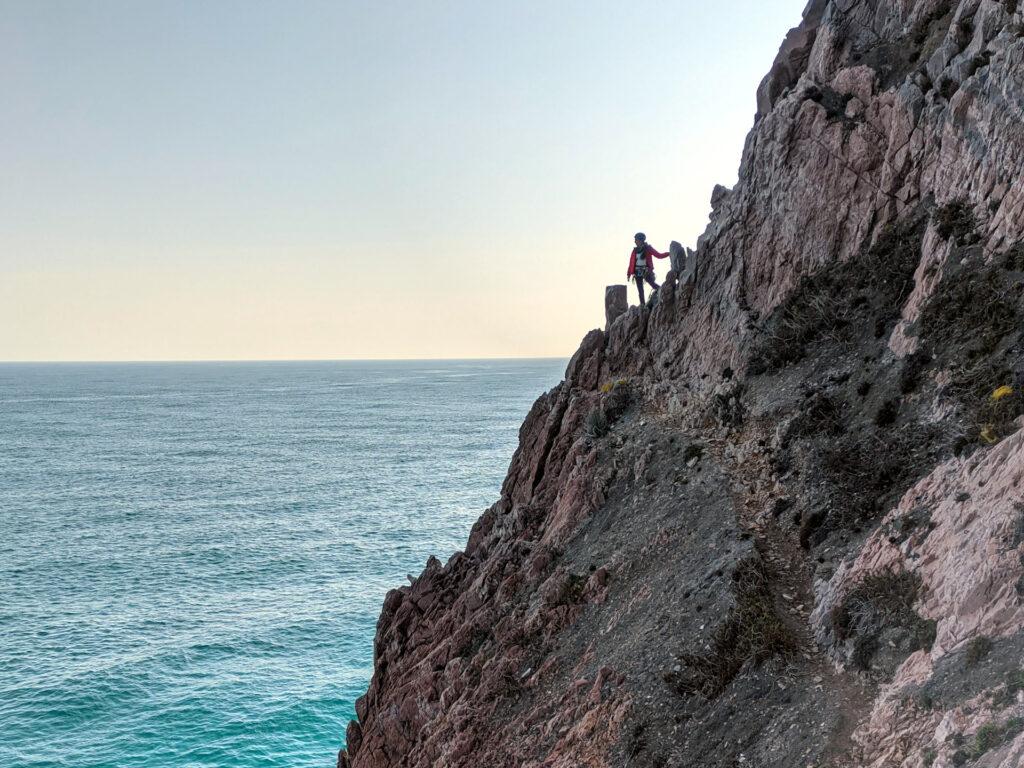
[(988, 434), (608, 386), (1000, 393)]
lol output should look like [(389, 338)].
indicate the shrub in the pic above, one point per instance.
[(596, 424), (995, 418), (821, 415), (880, 602), (988, 737), (955, 220), (977, 650), (608, 386), (862, 472), (1007, 693), (752, 631), (867, 290), (617, 400), (974, 306), (727, 408)]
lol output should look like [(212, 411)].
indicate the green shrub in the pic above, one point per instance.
[(977, 650), (988, 737), (596, 424)]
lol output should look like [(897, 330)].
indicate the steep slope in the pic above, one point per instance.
[(778, 518)]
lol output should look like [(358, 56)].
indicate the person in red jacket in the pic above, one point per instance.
[(641, 264)]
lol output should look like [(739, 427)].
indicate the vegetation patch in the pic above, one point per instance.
[(1007, 693), (834, 104), (947, 88), (636, 740), (894, 61), (991, 735), (616, 401), (913, 367), (596, 424), (864, 472), (616, 398), (821, 415), (887, 414), (608, 386), (972, 320), (842, 301), (955, 220), (979, 62), (752, 632), (727, 408), (973, 304), (987, 417), (903, 527), (977, 650), (995, 417), (881, 608)]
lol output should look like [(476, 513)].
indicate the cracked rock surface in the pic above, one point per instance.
[(777, 518)]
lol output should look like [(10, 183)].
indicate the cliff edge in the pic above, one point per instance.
[(778, 518)]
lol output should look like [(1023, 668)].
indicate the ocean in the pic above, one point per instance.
[(193, 556)]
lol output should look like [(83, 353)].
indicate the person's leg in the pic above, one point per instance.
[(640, 288), (649, 277)]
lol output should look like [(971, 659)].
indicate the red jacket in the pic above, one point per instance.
[(649, 252)]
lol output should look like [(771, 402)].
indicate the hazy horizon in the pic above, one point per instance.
[(290, 360), (354, 181)]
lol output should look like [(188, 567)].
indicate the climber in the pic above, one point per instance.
[(641, 265)]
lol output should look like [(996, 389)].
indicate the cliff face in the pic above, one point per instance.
[(778, 518)]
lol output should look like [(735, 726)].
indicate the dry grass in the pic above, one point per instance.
[(753, 631), (845, 299), (879, 602)]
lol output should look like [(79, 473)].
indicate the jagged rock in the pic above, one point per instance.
[(792, 58), (677, 257), (718, 196), (615, 304), (811, 413)]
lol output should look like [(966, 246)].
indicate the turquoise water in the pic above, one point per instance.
[(193, 555)]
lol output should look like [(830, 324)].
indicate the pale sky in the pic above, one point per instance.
[(314, 179)]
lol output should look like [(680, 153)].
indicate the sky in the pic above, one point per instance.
[(314, 179)]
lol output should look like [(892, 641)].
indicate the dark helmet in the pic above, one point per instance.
[(640, 236)]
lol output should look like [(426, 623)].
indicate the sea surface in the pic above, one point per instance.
[(193, 556)]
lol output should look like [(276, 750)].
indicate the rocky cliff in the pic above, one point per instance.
[(777, 519)]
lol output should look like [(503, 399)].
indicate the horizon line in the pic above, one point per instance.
[(282, 360)]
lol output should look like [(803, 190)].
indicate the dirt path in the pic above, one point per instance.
[(791, 577)]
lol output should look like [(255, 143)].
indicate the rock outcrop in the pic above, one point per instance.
[(615, 304), (777, 519)]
